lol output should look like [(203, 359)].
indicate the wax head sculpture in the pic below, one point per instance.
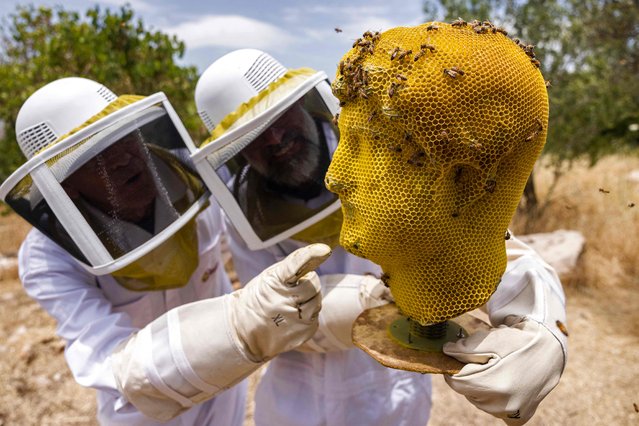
[(440, 127)]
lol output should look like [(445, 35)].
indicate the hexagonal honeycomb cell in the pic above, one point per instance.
[(440, 127)]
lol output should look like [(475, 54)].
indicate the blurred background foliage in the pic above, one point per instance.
[(113, 47), (588, 49)]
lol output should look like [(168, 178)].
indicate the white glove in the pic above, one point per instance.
[(511, 368), (344, 297), (195, 351), (277, 310)]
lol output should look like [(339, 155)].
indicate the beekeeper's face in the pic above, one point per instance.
[(117, 181)]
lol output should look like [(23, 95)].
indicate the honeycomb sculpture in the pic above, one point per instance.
[(440, 127)]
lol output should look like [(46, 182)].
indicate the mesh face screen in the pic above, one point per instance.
[(440, 128)]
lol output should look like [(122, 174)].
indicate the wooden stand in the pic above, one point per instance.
[(372, 333)]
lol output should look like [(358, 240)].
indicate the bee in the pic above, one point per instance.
[(385, 278), (395, 148), (427, 47), (631, 205), (535, 62), (401, 77), (419, 55), (338, 30), (432, 27), (355, 245), (481, 29), (475, 145), (459, 22), (394, 53), (356, 41), (342, 103), (363, 43), (417, 159), (508, 235), (453, 72), (500, 30), (562, 327), (403, 54), (408, 136), (529, 49), (444, 135), (604, 191), (547, 83), (368, 34), (391, 90), (370, 117), (535, 132), (490, 185), (362, 92), (455, 214), (336, 119)]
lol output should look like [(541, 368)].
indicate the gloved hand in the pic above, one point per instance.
[(277, 310), (344, 297), (512, 367), (197, 350)]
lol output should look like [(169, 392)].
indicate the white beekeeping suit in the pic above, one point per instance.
[(125, 256), (265, 118), (341, 385)]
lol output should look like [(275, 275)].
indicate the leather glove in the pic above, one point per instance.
[(277, 310), (195, 351), (512, 367), (344, 297)]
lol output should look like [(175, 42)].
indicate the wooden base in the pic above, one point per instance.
[(371, 334)]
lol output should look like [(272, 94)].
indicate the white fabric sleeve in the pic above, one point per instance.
[(84, 317), (530, 289), (344, 297), (513, 366), (188, 355)]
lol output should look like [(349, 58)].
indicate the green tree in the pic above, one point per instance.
[(115, 48)]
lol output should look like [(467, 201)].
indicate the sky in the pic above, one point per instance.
[(298, 33)]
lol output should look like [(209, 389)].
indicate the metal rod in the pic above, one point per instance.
[(432, 331)]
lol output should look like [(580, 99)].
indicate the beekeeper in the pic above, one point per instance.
[(266, 123), (125, 256)]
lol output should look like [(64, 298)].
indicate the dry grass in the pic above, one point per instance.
[(603, 204), (12, 232)]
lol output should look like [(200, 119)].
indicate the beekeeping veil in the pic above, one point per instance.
[(108, 179), (440, 127), (272, 138)]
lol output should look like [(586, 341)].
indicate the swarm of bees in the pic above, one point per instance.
[(485, 27), (353, 80)]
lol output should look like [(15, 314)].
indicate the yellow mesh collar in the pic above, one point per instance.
[(280, 83)]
